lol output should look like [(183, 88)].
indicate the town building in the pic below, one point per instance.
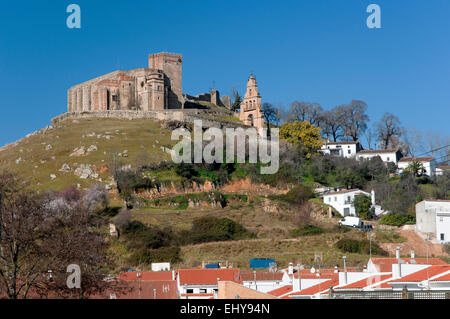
[(203, 283), (342, 149), (264, 281), (342, 200), (441, 169), (387, 156), (428, 163), (433, 217)]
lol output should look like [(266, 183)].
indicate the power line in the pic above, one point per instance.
[(433, 150)]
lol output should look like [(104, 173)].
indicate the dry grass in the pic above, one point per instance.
[(142, 138)]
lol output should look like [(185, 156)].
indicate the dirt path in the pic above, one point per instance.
[(416, 243)]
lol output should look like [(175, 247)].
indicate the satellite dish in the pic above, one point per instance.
[(313, 270)]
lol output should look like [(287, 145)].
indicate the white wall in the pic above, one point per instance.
[(443, 226), (385, 157), (342, 201)]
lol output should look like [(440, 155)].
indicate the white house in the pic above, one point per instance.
[(429, 164), (342, 200), (203, 283), (433, 216), (342, 149), (441, 169), (265, 280), (386, 155)]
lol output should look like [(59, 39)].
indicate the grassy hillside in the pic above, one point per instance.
[(34, 159)]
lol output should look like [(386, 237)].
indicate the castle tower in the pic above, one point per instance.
[(171, 64), (251, 113)]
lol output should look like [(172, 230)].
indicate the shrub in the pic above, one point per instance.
[(446, 249), (389, 236), (359, 247), (308, 230), (296, 196), (148, 256), (397, 220)]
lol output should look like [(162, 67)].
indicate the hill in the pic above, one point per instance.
[(81, 152)]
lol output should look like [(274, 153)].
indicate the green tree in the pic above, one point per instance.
[(304, 134), (416, 168), (363, 205), (237, 100)]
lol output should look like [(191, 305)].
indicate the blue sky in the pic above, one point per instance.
[(307, 50)]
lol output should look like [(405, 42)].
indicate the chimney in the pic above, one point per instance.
[(345, 269), (299, 279), (173, 274), (413, 255), (373, 197), (397, 253), (291, 269)]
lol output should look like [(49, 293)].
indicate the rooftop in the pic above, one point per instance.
[(207, 276), (377, 151), (424, 274), (261, 276), (385, 264), (344, 191), (417, 159)]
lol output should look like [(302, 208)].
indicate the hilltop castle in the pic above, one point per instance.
[(156, 88)]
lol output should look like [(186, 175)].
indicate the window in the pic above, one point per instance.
[(442, 237), (335, 198), (349, 151), (441, 218), (388, 159), (190, 291), (202, 291)]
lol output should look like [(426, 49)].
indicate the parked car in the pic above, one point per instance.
[(365, 228), (350, 221)]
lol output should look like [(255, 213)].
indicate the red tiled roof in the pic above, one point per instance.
[(366, 282), (377, 151), (261, 276), (146, 275), (323, 286), (424, 274), (281, 291), (207, 276), (418, 159), (385, 264), (324, 273), (445, 277)]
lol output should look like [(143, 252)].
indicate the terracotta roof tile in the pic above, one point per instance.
[(366, 282), (424, 274), (377, 151), (418, 159), (281, 291), (385, 264), (207, 276), (323, 286)]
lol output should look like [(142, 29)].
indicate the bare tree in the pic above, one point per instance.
[(356, 118), (37, 237), (369, 134), (387, 129), (332, 123), (270, 114), (305, 112)]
